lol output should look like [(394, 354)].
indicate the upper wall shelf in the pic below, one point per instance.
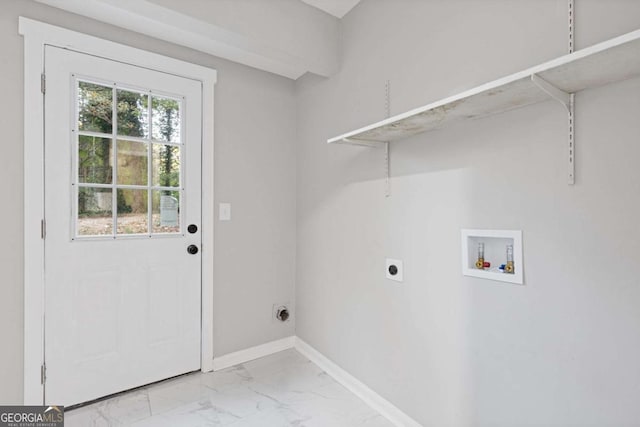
[(608, 62)]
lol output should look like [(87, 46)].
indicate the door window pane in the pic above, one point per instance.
[(133, 215), (166, 211), (166, 119), (132, 113), (135, 164), (95, 107), (166, 165), (132, 163), (94, 160), (95, 216)]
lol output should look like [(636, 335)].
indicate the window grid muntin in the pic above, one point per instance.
[(113, 136), (126, 138)]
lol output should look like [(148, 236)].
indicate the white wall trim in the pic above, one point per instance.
[(253, 353), (357, 387), (166, 24), (36, 36)]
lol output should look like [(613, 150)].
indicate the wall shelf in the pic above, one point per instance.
[(608, 62)]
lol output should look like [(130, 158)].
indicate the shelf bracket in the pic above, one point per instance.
[(558, 94), (568, 101), (362, 143)]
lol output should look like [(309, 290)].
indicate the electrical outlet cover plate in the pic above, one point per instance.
[(399, 276)]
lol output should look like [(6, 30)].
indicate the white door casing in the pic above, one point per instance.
[(122, 294), (36, 36)]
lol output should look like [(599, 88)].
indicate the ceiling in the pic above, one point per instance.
[(337, 8)]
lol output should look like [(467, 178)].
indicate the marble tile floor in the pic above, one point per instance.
[(284, 389)]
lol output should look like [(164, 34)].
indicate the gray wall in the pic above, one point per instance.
[(453, 350), (254, 170)]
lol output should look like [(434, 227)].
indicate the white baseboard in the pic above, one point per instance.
[(370, 397), (252, 353)]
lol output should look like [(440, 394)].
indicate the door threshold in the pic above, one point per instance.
[(120, 393)]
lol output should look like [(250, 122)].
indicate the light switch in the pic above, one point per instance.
[(224, 213)]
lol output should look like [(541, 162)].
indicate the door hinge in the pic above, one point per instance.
[(43, 373), (43, 228), (43, 83)]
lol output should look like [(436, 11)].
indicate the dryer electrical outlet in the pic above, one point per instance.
[(394, 270)]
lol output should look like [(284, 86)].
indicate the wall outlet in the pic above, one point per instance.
[(281, 312), (394, 270)]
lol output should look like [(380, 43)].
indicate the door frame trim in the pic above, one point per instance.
[(36, 35)]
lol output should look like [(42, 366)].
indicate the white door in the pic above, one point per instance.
[(122, 208)]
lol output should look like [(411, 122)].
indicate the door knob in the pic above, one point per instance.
[(192, 249)]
